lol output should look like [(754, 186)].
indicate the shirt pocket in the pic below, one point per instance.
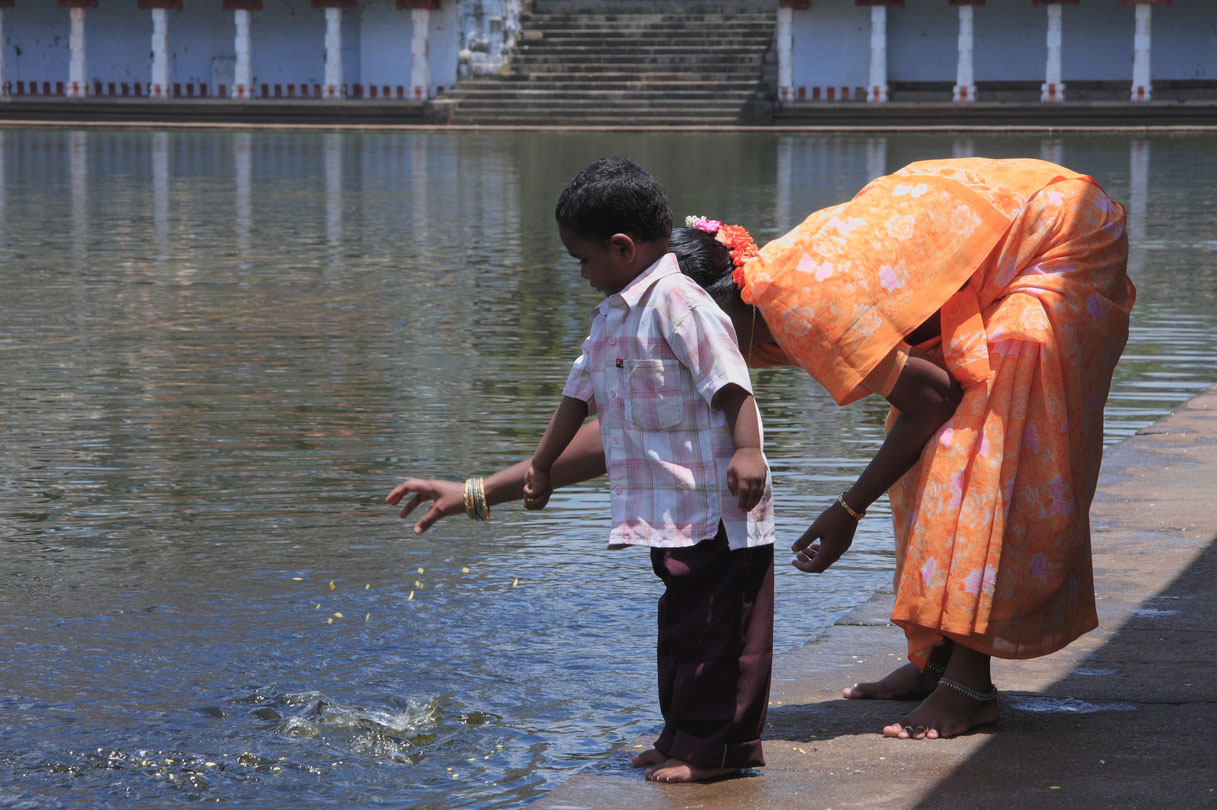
[(653, 397)]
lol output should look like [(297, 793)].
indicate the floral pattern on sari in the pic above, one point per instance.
[(1025, 262)]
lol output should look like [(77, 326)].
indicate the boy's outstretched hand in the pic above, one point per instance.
[(746, 477)]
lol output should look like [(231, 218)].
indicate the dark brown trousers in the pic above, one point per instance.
[(715, 651)]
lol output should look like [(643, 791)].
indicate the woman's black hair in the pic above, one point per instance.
[(707, 261), (615, 195)]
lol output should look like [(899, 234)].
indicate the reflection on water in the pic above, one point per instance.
[(220, 350)]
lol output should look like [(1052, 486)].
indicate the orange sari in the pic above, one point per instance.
[(1025, 262)]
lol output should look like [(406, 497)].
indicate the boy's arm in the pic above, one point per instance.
[(747, 473), (566, 421), (705, 343), (738, 405)]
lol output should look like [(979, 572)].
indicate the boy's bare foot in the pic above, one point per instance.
[(945, 713), (677, 770), (904, 683), (651, 757)]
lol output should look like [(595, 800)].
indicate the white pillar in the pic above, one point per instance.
[(1138, 189), (1141, 89), (4, 90), (78, 72), (242, 83), (3, 200), (78, 170), (160, 193), (419, 192), (333, 53), (243, 164), (420, 75), (965, 87), (784, 215), (333, 196), (878, 54), (785, 36), (876, 157), (1054, 88), (160, 55), (1138, 204), (1051, 150)]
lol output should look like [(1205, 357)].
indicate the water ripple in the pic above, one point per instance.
[(214, 366)]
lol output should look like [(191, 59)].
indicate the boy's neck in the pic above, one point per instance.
[(648, 253)]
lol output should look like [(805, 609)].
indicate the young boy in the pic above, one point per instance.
[(682, 445)]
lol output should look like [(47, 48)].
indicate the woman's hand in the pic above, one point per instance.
[(448, 498), (583, 459), (924, 396), (825, 541)]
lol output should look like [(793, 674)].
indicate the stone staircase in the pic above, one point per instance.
[(623, 63)]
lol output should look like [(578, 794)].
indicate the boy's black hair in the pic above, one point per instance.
[(615, 195), (707, 261)]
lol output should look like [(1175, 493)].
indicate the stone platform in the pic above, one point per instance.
[(1124, 717)]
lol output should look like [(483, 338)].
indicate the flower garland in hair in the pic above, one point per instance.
[(737, 241)]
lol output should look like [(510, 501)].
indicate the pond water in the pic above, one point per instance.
[(219, 351)]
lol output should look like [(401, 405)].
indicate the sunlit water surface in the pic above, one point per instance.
[(218, 351)]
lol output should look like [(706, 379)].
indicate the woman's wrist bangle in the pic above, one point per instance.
[(476, 506), (852, 513)]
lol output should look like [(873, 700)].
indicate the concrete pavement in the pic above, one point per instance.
[(1124, 717)]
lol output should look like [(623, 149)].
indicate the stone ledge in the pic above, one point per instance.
[(1122, 717)]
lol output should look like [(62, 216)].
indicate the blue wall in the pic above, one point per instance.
[(832, 45), (36, 43), (288, 44), (832, 42), (384, 51)]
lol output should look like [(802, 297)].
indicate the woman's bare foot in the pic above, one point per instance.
[(677, 770), (906, 683), (650, 757), (963, 700), (945, 713)]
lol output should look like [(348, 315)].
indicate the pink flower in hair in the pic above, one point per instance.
[(710, 226), (737, 241)]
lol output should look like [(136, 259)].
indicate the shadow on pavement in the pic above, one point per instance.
[(1134, 726)]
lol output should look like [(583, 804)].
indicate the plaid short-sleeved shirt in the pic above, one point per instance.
[(658, 352)]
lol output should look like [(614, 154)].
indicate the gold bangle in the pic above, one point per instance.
[(476, 506), (469, 498), (483, 508), (847, 508)]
